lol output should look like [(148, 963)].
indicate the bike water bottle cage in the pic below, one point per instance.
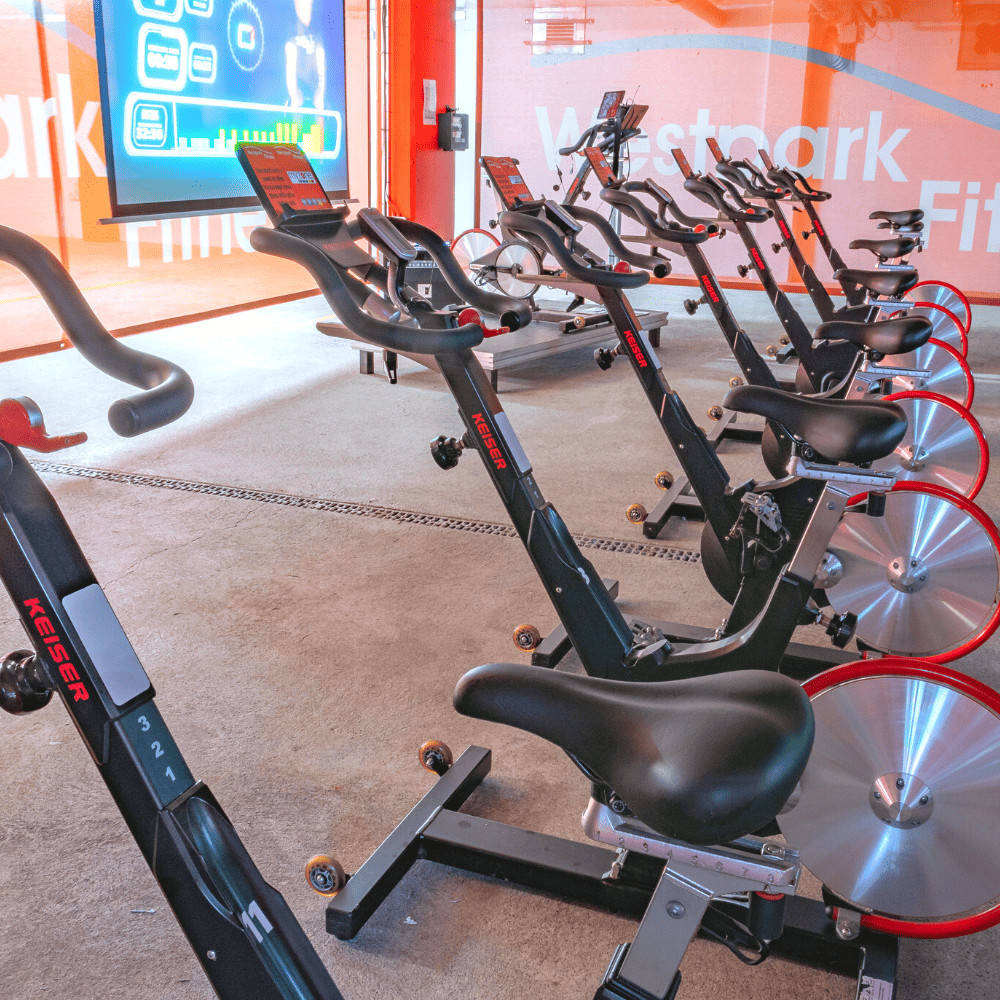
[(891, 336), (891, 284), (705, 760), (855, 431)]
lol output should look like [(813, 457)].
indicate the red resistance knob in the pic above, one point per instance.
[(472, 316), (622, 267), (22, 425)]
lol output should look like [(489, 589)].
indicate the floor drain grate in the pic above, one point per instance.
[(619, 545)]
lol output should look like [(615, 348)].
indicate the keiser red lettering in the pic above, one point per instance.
[(757, 260), (487, 435), (636, 350), (818, 228), (710, 288), (47, 633), (784, 230)]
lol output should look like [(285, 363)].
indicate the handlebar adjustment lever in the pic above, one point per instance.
[(22, 425)]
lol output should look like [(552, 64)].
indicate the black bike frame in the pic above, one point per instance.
[(245, 936)]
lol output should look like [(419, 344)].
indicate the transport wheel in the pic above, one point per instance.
[(924, 578), (735, 382), (715, 413), (663, 480), (944, 444), (636, 513), (900, 800), (436, 757), (940, 293), (527, 638), (471, 245), (325, 876), (515, 260), (949, 373)]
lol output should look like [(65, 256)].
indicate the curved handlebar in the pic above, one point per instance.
[(665, 201), (512, 313), (711, 191), (391, 336), (630, 205), (751, 185), (659, 267), (168, 388), (519, 222), (590, 133)]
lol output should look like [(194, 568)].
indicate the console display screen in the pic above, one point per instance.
[(182, 81)]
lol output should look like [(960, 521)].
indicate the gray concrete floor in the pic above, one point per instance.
[(301, 656)]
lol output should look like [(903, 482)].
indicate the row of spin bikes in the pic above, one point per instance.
[(715, 775)]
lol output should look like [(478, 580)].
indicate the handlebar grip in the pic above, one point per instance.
[(168, 388), (657, 265), (391, 336), (634, 208), (512, 313), (582, 141), (522, 223)]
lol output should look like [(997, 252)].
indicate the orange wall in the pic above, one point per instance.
[(901, 125), (421, 176)]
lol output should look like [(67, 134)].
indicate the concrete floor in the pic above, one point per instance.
[(301, 655)]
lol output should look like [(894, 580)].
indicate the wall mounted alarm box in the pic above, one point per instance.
[(453, 130)]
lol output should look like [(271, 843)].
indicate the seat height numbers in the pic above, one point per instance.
[(146, 732)]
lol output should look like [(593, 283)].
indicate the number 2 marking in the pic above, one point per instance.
[(156, 748)]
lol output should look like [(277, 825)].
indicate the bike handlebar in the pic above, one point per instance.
[(522, 223), (735, 173), (390, 336), (590, 133), (168, 388), (659, 267), (711, 191), (630, 205), (665, 201), (512, 313)]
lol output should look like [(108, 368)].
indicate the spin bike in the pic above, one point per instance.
[(943, 444), (744, 571), (653, 773), (933, 366), (244, 934), (949, 302), (746, 176), (617, 123)]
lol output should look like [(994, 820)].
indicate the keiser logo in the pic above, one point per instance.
[(636, 349), (818, 228), (710, 288), (487, 435), (46, 630), (757, 259), (784, 230)]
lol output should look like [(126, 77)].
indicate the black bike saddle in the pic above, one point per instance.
[(891, 283), (855, 431), (705, 760), (905, 218), (899, 246), (890, 336)]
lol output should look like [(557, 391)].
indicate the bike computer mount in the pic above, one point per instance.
[(610, 103)]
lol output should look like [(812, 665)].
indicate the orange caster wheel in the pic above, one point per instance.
[(436, 757), (325, 876), (579, 322), (637, 513), (735, 382), (715, 412), (772, 351), (527, 637), (663, 481)]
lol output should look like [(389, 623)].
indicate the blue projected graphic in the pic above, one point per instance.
[(182, 81)]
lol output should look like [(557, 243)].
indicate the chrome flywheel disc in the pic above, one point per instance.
[(900, 801)]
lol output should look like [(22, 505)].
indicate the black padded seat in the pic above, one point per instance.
[(905, 218), (890, 249), (891, 283), (889, 336), (855, 431), (706, 759)]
